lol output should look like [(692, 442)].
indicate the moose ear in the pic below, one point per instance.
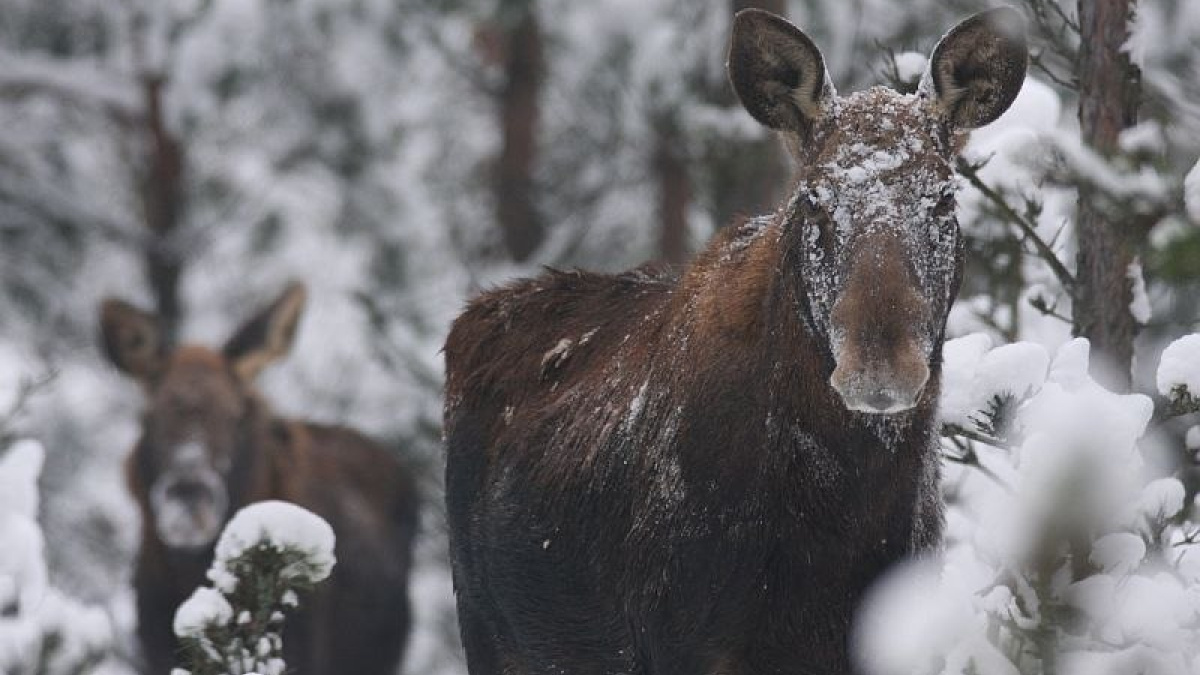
[(978, 68), (777, 71), (267, 336), (132, 339)]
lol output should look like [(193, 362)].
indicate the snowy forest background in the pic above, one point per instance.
[(399, 155)]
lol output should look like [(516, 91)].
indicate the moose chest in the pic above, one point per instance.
[(764, 533)]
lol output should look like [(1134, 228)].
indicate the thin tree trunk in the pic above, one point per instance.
[(674, 194), (162, 201), (1109, 91), (516, 209), (749, 177)]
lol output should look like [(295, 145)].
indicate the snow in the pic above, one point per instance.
[(1191, 192), (20, 466), (206, 607), (281, 526), (973, 374), (1144, 137), (1076, 465), (32, 612), (1161, 499), (910, 66), (1179, 367), (1192, 440), (1139, 303), (1118, 553)]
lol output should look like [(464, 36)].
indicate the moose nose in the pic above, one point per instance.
[(879, 390)]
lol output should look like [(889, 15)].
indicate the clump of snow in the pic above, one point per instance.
[(910, 66), (1118, 553), (1192, 439), (279, 525), (1161, 499), (973, 374), (1145, 137), (1179, 367), (39, 625), (205, 608), (1191, 192), (20, 466), (1139, 303)]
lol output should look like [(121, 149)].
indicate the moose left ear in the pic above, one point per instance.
[(978, 68), (267, 336)]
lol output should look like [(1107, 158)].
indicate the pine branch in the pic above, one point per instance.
[(971, 173)]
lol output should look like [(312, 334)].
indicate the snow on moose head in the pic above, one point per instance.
[(872, 219), (203, 422)]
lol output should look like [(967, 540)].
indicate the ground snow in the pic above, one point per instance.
[(280, 525), (1180, 366)]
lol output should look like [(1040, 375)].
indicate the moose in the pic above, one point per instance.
[(210, 444), (659, 473)]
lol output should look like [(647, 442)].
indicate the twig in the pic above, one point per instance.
[(26, 390), (971, 173)]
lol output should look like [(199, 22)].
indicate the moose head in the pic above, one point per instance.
[(201, 412), (871, 225)]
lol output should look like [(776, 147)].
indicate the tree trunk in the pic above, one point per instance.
[(162, 202), (516, 211), (749, 176), (674, 194), (1109, 91)]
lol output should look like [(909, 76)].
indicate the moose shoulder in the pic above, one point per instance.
[(657, 474), (210, 445)]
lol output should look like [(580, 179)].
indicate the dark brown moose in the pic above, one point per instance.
[(700, 473), (210, 445)]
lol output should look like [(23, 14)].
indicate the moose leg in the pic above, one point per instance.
[(155, 616)]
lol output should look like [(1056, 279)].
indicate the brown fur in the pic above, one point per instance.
[(357, 621)]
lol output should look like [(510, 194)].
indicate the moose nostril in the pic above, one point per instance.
[(880, 400), (187, 491)]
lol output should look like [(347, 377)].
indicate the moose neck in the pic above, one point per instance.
[(746, 312)]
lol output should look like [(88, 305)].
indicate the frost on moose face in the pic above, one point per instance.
[(881, 246)]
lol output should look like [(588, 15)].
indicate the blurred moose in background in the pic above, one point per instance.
[(210, 444), (657, 474)]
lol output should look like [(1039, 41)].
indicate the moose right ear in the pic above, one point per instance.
[(132, 339), (777, 71), (978, 67)]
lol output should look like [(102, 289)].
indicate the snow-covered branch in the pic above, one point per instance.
[(76, 82), (268, 553)]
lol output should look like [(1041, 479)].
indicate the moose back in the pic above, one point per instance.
[(210, 445), (700, 473)]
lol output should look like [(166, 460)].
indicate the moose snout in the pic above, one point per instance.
[(880, 387)]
